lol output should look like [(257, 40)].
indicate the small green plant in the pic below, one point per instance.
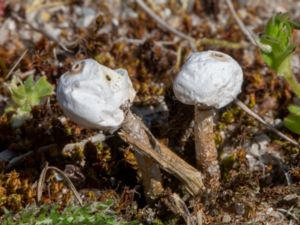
[(25, 95), (292, 121), (91, 214), (278, 35)]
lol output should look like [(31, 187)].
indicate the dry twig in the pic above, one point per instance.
[(261, 120), (14, 161), (250, 36), (163, 25), (240, 23), (222, 43), (42, 31), (67, 149), (16, 64), (98, 138)]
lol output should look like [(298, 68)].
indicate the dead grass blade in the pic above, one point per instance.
[(41, 183)]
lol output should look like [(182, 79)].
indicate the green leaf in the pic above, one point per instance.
[(25, 95), (278, 35), (292, 122), (294, 109), (29, 83), (43, 88), (17, 94)]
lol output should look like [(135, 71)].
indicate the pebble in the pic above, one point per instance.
[(226, 218), (239, 208)]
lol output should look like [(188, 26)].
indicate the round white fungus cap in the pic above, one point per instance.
[(92, 95), (209, 79)]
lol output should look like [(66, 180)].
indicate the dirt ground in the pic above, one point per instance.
[(260, 172)]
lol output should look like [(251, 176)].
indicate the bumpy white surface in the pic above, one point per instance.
[(209, 78), (91, 94)]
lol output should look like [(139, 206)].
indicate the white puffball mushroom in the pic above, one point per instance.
[(92, 95), (209, 80), (95, 96)]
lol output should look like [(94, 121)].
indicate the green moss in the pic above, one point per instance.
[(91, 214)]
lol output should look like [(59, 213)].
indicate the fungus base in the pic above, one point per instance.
[(206, 152)]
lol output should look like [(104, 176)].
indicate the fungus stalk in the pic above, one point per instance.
[(150, 171), (205, 147), (171, 163)]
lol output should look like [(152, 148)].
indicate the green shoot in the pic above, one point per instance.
[(292, 121), (25, 95), (278, 35)]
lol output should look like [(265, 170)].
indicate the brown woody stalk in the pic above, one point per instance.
[(151, 175), (167, 160), (205, 147)]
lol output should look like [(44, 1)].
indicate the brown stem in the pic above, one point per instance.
[(151, 175), (206, 152), (170, 162)]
